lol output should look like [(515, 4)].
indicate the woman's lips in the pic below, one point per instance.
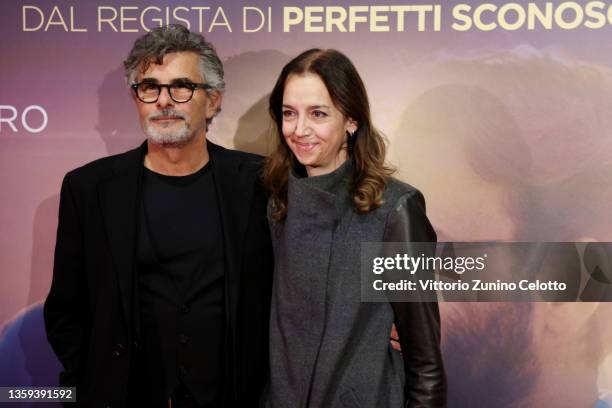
[(305, 146)]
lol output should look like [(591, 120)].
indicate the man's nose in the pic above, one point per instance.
[(164, 98)]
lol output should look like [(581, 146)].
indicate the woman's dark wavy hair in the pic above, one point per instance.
[(366, 147)]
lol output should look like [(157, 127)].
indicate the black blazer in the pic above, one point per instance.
[(90, 313)]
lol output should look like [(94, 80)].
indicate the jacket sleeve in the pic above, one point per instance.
[(418, 324), (65, 309)]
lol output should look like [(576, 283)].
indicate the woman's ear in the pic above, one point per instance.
[(351, 126)]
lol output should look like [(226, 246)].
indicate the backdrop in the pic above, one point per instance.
[(499, 112)]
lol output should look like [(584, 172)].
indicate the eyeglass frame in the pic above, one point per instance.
[(191, 85)]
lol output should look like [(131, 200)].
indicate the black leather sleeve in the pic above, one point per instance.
[(418, 324), (66, 306)]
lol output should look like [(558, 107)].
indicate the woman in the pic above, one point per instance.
[(330, 190)]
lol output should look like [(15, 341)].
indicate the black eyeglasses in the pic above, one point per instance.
[(180, 92)]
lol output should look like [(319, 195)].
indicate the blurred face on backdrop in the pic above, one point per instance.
[(314, 129), (167, 121)]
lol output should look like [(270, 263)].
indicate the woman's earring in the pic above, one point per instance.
[(350, 141)]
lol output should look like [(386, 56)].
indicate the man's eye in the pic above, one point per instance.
[(146, 87), (182, 85)]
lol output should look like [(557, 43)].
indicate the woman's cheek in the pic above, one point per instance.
[(287, 131)]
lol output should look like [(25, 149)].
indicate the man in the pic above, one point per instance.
[(162, 273)]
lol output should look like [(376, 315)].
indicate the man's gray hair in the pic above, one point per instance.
[(151, 48)]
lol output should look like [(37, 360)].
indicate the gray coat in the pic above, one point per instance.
[(327, 348)]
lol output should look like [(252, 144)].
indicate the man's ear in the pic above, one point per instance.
[(214, 103), (132, 94)]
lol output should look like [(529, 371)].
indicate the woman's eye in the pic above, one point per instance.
[(287, 114), (319, 114)]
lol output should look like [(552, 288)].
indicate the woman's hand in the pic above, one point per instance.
[(394, 339)]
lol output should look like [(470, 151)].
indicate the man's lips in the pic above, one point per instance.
[(166, 118)]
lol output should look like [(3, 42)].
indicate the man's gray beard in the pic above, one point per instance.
[(169, 137)]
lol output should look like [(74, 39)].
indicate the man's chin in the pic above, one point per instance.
[(169, 139)]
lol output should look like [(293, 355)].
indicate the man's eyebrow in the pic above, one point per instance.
[(183, 79), (175, 80)]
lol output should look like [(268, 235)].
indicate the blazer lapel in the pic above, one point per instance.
[(118, 197), (234, 190)]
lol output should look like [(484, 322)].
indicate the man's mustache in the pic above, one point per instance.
[(166, 113)]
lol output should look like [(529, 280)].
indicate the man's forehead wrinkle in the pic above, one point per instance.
[(187, 71)]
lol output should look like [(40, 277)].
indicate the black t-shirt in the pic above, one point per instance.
[(183, 221), (181, 283)]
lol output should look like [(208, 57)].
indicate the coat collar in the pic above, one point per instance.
[(326, 194)]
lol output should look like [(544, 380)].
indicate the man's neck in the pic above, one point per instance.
[(177, 160)]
